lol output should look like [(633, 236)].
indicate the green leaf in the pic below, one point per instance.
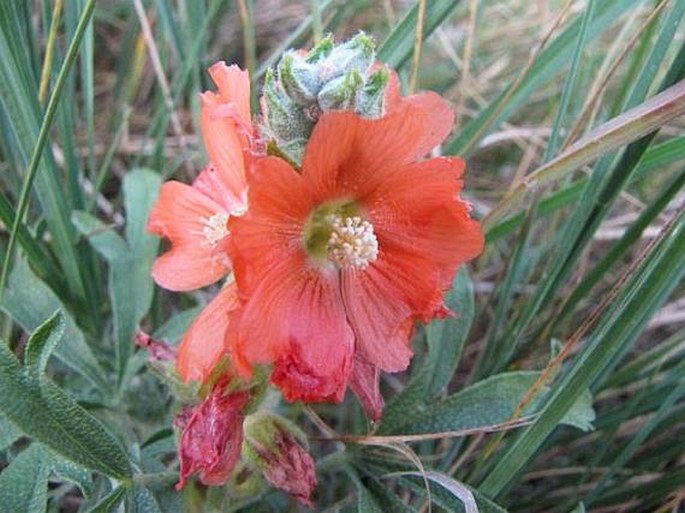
[(445, 342), (141, 188), (661, 155), (131, 286), (646, 290), (44, 412), (130, 262), (141, 500), (42, 343), (399, 45), (71, 472), (102, 237), (29, 301), (446, 338), (109, 503), (24, 484), (386, 499), (365, 501), (27, 476), (8, 433), (172, 330), (486, 403)]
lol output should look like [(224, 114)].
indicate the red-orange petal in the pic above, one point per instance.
[(380, 315), (226, 127), (189, 267), (364, 382), (317, 363), (234, 87), (347, 154), (436, 116), (180, 211), (424, 232), (272, 228), (296, 313), (212, 183), (202, 346), (418, 211)]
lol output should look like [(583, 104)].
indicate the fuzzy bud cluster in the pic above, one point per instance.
[(329, 77)]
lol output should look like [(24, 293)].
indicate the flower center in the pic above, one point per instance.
[(215, 228), (352, 242)]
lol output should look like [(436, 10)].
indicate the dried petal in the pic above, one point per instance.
[(364, 382), (211, 440), (291, 468), (277, 447)]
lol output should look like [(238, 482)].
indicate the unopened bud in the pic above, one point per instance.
[(306, 85), (341, 93)]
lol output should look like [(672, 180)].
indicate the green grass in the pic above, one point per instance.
[(572, 316)]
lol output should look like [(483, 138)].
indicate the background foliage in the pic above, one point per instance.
[(558, 388)]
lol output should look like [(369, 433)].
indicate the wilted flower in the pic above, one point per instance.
[(277, 448), (212, 436)]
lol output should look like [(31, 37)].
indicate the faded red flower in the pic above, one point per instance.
[(273, 447), (343, 258), (291, 468), (212, 437), (194, 218)]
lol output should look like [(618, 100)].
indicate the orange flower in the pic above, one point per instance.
[(341, 259), (195, 218)]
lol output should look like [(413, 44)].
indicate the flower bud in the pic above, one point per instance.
[(278, 449), (306, 85), (341, 93)]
